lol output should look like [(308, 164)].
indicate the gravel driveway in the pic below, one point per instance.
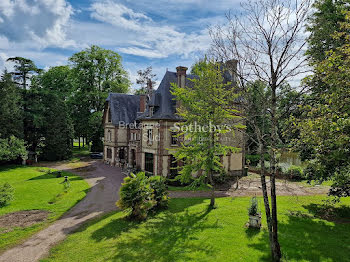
[(105, 182)]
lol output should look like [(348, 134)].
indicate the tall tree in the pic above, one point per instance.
[(268, 42), (23, 70), (11, 117), (322, 24), (57, 129), (209, 105), (23, 73), (97, 72), (55, 91), (325, 123)]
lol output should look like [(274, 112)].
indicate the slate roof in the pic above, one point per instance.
[(123, 107), (162, 99)]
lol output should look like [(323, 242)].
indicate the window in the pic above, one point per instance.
[(133, 157), (151, 110), (173, 138), (109, 153), (109, 136), (149, 162), (149, 135)]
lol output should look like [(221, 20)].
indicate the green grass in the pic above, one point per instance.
[(83, 151), (188, 231), (34, 189), (314, 183)]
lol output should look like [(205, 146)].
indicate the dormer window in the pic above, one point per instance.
[(149, 136), (151, 111)]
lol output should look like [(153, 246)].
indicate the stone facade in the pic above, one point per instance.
[(145, 140)]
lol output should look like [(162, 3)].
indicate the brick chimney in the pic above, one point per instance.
[(181, 75), (231, 67), (142, 103)]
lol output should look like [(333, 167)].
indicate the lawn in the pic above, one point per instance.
[(35, 189), (188, 231)]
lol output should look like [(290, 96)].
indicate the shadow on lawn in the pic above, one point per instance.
[(306, 238), (53, 175), (340, 214), (167, 236)]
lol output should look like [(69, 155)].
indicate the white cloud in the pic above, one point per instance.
[(154, 40), (39, 23), (117, 14)]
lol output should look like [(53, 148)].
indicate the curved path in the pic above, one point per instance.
[(105, 182)]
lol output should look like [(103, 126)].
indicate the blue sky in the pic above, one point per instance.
[(160, 33)]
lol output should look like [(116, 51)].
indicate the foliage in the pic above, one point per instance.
[(146, 79), (58, 129), (11, 118), (254, 159), (253, 208), (136, 196), (12, 148), (6, 194), (96, 131), (257, 99), (295, 172), (55, 88), (160, 191), (219, 179), (324, 125), (341, 185), (24, 74), (58, 80), (96, 72), (24, 68), (209, 103), (323, 23)]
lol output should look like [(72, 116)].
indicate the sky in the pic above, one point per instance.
[(158, 33)]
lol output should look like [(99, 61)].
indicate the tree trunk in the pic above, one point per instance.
[(83, 142), (277, 250), (212, 193), (79, 141), (266, 198)]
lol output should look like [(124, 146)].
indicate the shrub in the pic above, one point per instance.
[(160, 191), (341, 183), (255, 159), (295, 172), (221, 178), (6, 194), (136, 196), (253, 209)]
